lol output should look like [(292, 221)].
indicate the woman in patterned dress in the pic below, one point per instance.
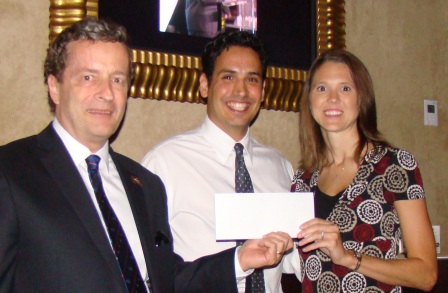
[(368, 195)]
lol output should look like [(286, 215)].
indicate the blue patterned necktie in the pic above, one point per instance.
[(243, 184), (120, 244)]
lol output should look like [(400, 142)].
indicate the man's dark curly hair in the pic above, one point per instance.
[(91, 29), (224, 41)]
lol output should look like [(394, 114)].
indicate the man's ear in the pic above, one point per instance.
[(203, 85), (53, 88)]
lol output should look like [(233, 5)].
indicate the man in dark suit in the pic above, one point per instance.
[(203, 17), (67, 220)]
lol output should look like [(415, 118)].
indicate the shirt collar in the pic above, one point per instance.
[(223, 143), (78, 152)]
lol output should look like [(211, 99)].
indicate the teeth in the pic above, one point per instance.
[(238, 106), (100, 112), (333, 112)]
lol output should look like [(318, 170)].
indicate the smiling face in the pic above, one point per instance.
[(91, 96), (334, 99), (235, 91)]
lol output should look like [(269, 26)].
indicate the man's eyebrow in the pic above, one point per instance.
[(235, 71), (255, 73), (119, 72), (88, 70), (225, 70), (93, 70)]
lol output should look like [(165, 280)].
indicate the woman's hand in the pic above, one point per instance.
[(325, 235)]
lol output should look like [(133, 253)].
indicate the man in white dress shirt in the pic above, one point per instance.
[(57, 234), (196, 165)]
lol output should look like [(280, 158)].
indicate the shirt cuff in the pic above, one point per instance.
[(239, 273)]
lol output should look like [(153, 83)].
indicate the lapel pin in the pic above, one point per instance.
[(135, 180)]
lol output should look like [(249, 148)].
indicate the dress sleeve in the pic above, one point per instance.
[(301, 181), (402, 178)]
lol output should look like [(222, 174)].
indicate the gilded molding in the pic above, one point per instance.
[(173, 77)]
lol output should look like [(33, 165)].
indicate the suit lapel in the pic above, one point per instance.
[(134, 191), (57, 161)]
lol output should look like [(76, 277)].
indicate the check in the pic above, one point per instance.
[(252, 215)]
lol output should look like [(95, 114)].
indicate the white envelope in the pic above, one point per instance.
[(252, 215)]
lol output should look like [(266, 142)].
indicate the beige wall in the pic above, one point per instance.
[(404, 44)]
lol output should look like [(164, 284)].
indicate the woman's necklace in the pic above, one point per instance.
[(363, 153), (337, 174)]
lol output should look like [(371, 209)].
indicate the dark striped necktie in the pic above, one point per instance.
[(120, 244), (243, 184)]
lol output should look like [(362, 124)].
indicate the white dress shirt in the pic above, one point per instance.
[(113, 187), (197, 164)]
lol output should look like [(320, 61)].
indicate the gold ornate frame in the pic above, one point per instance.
[(172, 77)]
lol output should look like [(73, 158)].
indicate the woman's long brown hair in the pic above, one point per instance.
[(312, 145)]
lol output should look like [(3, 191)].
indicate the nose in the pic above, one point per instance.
[(240, 87), (105, 91), (333, 96)]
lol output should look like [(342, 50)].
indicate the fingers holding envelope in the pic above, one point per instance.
[(267, 251)]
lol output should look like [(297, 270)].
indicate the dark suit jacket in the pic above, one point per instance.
[(202, 18), (52, 240)]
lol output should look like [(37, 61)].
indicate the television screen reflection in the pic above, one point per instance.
[(207, 18)]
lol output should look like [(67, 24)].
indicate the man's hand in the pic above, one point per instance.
[(268, 251)]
